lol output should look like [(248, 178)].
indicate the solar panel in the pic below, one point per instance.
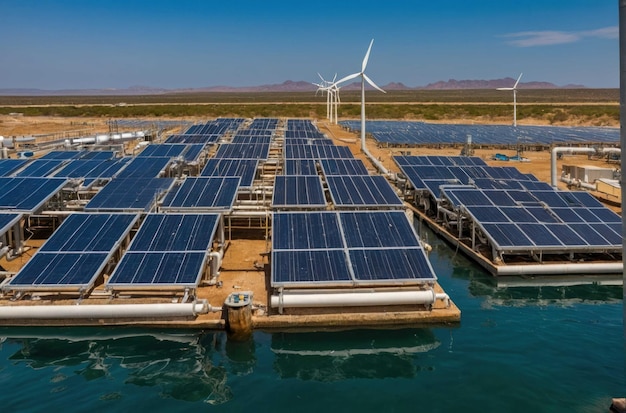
[(299, 167), (355, 191), (40, 168), (299, 191), (169, 251), (144, 167), (243, 151), (28, 194), (203, 193), (8, 166), (7, 221), (78, 168), (76, 253), (343, 167), (242, 168), (162, 150), (310, 267), (89, 233), (339, 248), (193, 139), (62, 155), (130, 194), (300, 231), (377, 230), (192, 152), (392, 264)]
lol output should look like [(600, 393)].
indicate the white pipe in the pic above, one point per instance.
[(542, 269), (578, 182), (216, 263), (108, 311), (344, 299)]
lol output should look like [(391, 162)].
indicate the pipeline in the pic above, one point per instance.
[(578, 182), (106, 311), (216, 263), (368, 298), (546, 269)]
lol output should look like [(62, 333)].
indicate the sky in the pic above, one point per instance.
[(83, 44)]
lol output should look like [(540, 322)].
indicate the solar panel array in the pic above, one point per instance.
[(76, 253), (241, 168), (362, 191), (403, 132), (544, 220), (346, 249), (168, 251)]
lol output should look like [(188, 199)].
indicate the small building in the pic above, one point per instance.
[(610, 189), (587, 173)]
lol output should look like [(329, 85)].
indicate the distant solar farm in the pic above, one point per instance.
[(421, 133)]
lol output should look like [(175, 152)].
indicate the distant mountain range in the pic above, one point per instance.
[(287, 86)]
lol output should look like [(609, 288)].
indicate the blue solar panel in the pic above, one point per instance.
[(243, 168), (295, 231), (130, 194), (175, 233), (144, 167), (243, 151), (192, 153), (89, 233), (28, 194), (169, 251), (539, 235), (317, 152), (97, 155), (566, 235), (507, 235), (62, 155), (391, 264), (378, 230), (76, 253), (193, 139), (487, 214), (299, 191), (8, 166), (7, 221), (299, 167), (203, 193), (343, 167), (518, 214), (162, 150), (310, 267), (357, 191), (78, 168), (40, 168)]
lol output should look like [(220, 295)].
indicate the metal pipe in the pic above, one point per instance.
[(578, 182), (563, 149), (544, 269), (105, 311), (343, 299)]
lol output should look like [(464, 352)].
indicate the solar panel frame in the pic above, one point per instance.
[(28, 195)]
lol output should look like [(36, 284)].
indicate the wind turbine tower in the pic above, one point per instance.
[(364, 79), (514, 89)]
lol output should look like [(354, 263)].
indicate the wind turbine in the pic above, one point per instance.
[(364, 79), (514, 89), (331, 95)]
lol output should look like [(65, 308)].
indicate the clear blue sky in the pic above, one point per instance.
[(195, 43)]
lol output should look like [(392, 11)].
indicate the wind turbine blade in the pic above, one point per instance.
[(504, 88), (349, 77), (335, 77), (520, 76), (367, 56), (372, 83), (318, 73)]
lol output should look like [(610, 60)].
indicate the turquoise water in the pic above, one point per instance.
[(542, 349)]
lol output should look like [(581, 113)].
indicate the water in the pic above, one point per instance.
[(516, 350)]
